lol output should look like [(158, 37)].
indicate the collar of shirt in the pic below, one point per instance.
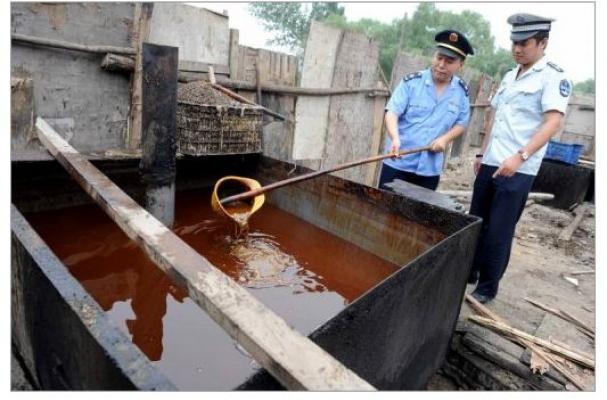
[(537, 67), (429, 81)]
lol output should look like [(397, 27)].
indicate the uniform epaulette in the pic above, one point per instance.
[(463, 85), (412, 75), (554, 66)]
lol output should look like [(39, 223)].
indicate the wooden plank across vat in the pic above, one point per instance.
[(295, 361)]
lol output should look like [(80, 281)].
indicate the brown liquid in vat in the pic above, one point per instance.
[(303, 273)]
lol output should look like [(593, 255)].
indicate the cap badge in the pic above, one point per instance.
[(453, 37), (520, 19)]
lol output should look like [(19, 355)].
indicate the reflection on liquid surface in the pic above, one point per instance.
[(303, 273)]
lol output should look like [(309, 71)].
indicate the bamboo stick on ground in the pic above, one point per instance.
[(577, 321), (485, 311), (581, 272), (587, 333), (557, 366), (506, 329), (566, 233), (566, 346), (544, 307), (481, 309), (564, 315), (537, 196)]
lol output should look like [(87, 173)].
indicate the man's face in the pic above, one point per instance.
[(444, 67), (527, 51)]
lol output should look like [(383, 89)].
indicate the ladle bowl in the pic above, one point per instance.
[(247, 184)]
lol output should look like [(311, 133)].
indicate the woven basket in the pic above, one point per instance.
[(221, 126)]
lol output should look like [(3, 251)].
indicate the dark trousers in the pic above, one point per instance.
[(388, 174), (500, 203)]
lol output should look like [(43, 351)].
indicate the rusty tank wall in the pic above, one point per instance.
[(60, 333), (397, 334)]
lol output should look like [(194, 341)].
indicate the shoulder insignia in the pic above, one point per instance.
[(554, 66), (565, 88), (464, 86), (412, 75)]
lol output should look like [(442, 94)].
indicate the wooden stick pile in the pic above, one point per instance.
[(543, 353)]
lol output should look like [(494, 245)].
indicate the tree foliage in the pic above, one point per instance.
[(291, 23), (585, 87), (417, 34)]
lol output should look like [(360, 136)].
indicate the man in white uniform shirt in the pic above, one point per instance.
[(528, 109)]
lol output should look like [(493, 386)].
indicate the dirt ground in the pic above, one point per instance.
[(535, 252), (542, 270)]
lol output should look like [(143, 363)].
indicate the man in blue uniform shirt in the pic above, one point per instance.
[(427, 107), (528, 109)]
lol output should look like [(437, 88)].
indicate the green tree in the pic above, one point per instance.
[(290, 22), (585, 87), (427, 20)]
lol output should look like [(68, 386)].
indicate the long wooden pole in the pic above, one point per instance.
[(293, 359), (258, 80), (468, 193), (314, 174), (290, 90), (71, 46), (247, 101), (126, 64)]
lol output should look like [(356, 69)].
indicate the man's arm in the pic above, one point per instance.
[(552, 122), (392, 128), (440, 143), (396, 106), (459, 126), (488, 129), (550, 126)]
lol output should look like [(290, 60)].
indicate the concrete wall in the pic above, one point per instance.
[(405, 64), (312, 113), (22, 114), (88, 106), (203, 36), (332, 130), (580, 124), (354, 120)]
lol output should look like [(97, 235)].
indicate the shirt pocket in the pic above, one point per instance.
[(451, 115), (528, 98), (418, 112)]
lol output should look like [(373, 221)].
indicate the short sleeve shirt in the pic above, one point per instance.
[(520, 105), (422, 117)]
